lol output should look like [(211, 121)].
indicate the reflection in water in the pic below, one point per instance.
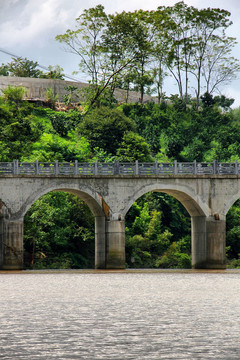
[(120, 315)]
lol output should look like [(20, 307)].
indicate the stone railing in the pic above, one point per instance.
[(118, 168)]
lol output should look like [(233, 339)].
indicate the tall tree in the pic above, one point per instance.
[(85, 41), (211, 50), (197, 49)]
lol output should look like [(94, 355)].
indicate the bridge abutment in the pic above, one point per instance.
[(115, 244), (11, 235)]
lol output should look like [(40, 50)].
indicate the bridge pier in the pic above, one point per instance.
[(100, 242), (11, 244), (208, 243), (199, 243), (216, 243), (115, 244)]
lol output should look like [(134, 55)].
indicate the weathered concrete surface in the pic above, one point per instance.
[(207, 198), (216, 243), (37, 88), (100, 242), (12, 244), (115, 244)]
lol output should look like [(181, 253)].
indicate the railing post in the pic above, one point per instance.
[(136, 168), (76, 167), (15, 167), (195, 167), (56, 168), (116, 168), (95, 168), (175, 167), (215, 167), (156, 168), (36, 168), (236, 167)]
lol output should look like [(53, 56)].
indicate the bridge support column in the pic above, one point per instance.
[(199, 243), (11, 238), (115, 244), (100, 242), (216, 242)]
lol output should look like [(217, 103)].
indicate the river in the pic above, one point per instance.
[(120, 315)]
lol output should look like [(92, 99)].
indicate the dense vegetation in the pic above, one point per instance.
[(132, 51)]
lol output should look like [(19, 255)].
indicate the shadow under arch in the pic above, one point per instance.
[(195, 207)]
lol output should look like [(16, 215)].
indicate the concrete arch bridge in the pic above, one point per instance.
[(207, 191)]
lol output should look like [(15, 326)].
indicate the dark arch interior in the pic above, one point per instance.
[(59, 232), (158, 233)]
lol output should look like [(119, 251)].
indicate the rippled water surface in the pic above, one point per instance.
[(120, 315)]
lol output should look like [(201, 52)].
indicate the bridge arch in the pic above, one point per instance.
[(229, 203), (92, 199), (89, 196), (188, 199)]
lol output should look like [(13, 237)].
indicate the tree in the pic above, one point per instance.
[(118, 48), (176, 31), (4, 70), (23, 67), (133, 147), (211, 50), (197, 48), (105, 128), (14, 94), (54, 72), (89, 42), (85, 41)]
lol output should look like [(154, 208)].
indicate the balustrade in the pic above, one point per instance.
[(119, 168)]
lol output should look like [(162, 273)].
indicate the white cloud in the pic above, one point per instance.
[(33, 23)]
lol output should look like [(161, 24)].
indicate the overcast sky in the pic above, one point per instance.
[(28, 29)]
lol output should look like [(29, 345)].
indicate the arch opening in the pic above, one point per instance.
[(158, 231), (59, 230), (233, 235)]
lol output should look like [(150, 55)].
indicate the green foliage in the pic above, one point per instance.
[(173, 258), (54, 72), (52, 147), (51, 98), (14, 94), (153, 226), (133, 147), (63, 122), (105, 128), (149, 241), (59, 233), (4, 70), (95, 95), (23, 67), (233, 231), (71, 95)]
